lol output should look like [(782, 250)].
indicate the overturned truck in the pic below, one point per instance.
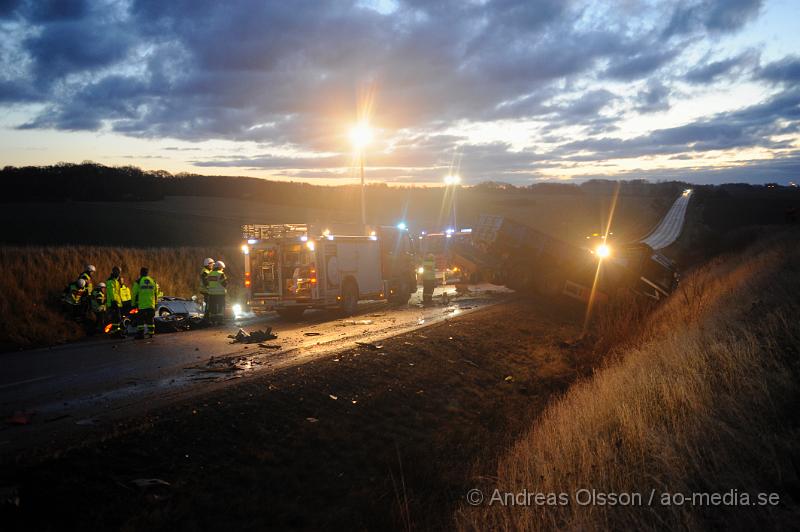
[(505, 252)]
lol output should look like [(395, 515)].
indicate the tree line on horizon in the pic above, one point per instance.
[(89, 181)]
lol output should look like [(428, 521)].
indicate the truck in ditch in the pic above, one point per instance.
[(506, 252), (293, 267)]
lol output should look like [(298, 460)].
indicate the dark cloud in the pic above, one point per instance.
[(745, 128), (710, 72), (780, 169), (655, 97), (719, 16), (290, 75), (640, 65), (290, 72), (786, 70)]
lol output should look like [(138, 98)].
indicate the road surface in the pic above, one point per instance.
[(669, 229), (74, 387)]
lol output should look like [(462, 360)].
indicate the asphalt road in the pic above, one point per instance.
[(50, 393), (670, 227)]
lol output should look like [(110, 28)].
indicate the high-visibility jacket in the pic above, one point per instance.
[(73, 294), (98, 300), (145, 292), (113, 292), (124, 293), (86, 276), (204, 280), (428, 270), (216, 281)]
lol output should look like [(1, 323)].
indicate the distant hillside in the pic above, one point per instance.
[(94, 204)]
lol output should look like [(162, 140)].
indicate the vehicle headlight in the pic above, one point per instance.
[(237, 310)]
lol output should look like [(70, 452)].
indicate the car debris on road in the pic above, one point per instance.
[(253, 337)]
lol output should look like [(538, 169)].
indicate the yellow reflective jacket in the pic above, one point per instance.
[(216, 281), (145, 293), (113, 291)]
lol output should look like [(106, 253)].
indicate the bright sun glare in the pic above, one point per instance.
[(360, 135)]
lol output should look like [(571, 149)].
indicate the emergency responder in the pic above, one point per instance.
[(428, 278), (114, 301), (125, 295), (208, 267), (145, 295), (87, 274), (98, 307), (216, 283), (74, 296)]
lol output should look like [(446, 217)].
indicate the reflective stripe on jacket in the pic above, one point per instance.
[(204, 280), (216, 282), (145, 292), (86, 276), (113, 295)]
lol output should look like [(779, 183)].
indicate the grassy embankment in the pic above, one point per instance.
[(34, 278), (704, 399)]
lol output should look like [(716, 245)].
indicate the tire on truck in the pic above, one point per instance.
[(349, 304), (402, 294)]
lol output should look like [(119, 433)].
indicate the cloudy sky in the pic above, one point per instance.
[(506, 90)]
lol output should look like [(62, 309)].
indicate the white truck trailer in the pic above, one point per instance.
[(293, 267)]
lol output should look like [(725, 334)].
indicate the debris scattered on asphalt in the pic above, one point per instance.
[(312, 334), (149, 482), (86, 421), (253, 337), (270, 346), (509, 379), (471, 363), (370, 345), (312, 419), (226, 364), (333, 397)]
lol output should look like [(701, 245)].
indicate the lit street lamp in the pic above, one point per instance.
[(360, 137)]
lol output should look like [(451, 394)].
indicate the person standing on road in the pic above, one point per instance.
[(114, 300), (216, 286), (145, 295), (208, 267), (98, 306), (125, 296), (428, 277)]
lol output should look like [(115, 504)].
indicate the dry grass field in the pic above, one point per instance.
[(35, 277), (702, 400)]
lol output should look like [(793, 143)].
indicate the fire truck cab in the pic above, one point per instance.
[(293, 267)]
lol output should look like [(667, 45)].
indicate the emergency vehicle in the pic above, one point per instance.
[(293, 267)]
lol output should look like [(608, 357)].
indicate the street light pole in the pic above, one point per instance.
[(363, 193)]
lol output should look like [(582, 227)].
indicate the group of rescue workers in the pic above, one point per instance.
[(109, 306)]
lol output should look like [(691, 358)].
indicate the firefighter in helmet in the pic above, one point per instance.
[(217, 283), (208, 267), (114, 300)]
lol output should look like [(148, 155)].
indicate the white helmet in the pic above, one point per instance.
[(219, 264), (91, 268), (81, 283), (208, 262), (101, 285)]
